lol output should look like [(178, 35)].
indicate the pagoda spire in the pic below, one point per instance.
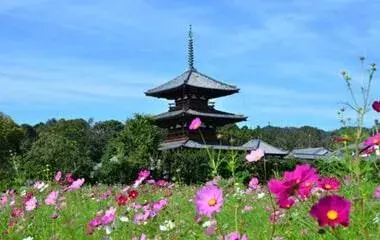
[(190, 48)]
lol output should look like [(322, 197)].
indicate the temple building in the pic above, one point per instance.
[(190, 93)]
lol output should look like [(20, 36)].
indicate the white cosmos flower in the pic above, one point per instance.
[(124, 219), (28, 238), (260, 195), (168, 225)]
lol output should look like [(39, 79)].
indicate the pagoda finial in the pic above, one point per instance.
[(190, 56)]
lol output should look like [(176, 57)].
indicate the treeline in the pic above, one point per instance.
[(112, 151)]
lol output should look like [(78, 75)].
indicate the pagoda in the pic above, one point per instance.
[(191, 93)]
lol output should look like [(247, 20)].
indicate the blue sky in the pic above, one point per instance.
[(95, 58)]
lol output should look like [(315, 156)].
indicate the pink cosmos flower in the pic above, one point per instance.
[(4, 200), (297, 182), (162, 183), (161, 204), (377, 192), (373, 140), (51, 199), (332, 210), (286, 202), (109, 216), (58, 176), (17, 212), (31, 204), (235, 236), (247, 208), (211, 229), (253, 183), (329, 184), (105, 195), (77, 184), (144, 173), (209, 200), (255, 155), (195, 124)]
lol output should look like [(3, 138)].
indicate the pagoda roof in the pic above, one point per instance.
[(195, 79), (195, 113), (268, 149), (187, 143)]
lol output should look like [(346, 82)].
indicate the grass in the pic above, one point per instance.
[(82, 205)]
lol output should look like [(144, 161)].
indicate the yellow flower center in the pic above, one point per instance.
[(332, 215), (212, 202), (327, 186)]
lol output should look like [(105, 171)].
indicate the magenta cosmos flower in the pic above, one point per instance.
[(209, 200), (109, 216), (329, 184), (298, 182), (376, 106), (195, 124), (77, 184), (332, 210), (373, 140), (255, 155)]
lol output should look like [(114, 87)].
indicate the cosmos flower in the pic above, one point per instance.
[(376, 106), (121, 199), (69, 178), (235, 236), (332, 210), (95, 222), (51, 199), (77, 184), (298, 182), (373, 140), (58, 176), (255, 155), (376, 194), (209, 200), (253, 183), (109, 216), (31, 204), (195, 124), (161, 204), (285, 202), (133, 194), (329, 184), (162, 183)]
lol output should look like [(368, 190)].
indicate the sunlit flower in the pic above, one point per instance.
[(329, 184), (332, 210), (255, 155), (209, 200), (51, 199), (195, 124)]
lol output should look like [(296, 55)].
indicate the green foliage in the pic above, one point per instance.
[(130, 150), (10, 138)]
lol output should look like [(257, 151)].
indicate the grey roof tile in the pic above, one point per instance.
[(195, 113), (195, 79), (268, 149)]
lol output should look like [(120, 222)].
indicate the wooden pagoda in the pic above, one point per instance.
[(191, 92)]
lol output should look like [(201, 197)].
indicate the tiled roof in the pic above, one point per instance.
[(268, 149), (195, 79), (197, 145), (309, 153), (217, 114)]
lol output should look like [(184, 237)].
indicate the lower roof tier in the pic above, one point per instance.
[(216, 118)]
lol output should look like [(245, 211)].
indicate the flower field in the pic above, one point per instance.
[(300, 205)]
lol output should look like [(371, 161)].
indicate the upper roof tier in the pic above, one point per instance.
[(192, 81)]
